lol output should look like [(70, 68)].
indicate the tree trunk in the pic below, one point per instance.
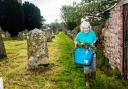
[(2, 48)]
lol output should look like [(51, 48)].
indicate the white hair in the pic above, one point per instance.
[(84, 24)]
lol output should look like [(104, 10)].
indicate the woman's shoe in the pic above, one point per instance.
[(87, 80)]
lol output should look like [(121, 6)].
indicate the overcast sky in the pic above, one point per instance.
[(50, 9)]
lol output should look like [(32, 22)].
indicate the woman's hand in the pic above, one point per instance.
[(76, 44)]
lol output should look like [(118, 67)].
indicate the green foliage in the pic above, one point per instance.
[(32, 16), (86, 46), (2, 15), (116, 73), (103, 63), (76, 30), (68, 16), (96, 10), (99, 42), (15, 18), (11, 16)]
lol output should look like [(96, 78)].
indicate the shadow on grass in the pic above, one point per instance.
[(41, 69), (4, 59)]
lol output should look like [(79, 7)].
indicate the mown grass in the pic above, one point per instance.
[(63, 74), (71, 76)]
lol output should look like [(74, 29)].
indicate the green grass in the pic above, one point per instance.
[(72, 77), (63, 74)]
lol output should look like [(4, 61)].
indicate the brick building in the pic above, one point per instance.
[(116, 37)]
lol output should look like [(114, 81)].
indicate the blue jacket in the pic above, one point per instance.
[(89, 37)]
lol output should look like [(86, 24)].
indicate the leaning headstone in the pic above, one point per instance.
[(2, 48), (37, 49)]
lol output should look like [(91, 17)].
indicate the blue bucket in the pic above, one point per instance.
[(83, 56)]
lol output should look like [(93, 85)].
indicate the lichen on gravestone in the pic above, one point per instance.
[(37, 49)]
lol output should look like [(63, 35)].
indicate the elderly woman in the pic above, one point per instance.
[(87, 36)]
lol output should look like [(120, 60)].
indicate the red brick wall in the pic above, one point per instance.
[(113, 37)]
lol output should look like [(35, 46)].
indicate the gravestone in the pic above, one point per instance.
[(7, 36), (48, 35), (2, 48), (37, 49), (20, 35), (24, 33)]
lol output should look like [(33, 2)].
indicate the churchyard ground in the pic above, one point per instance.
[(62, 74)]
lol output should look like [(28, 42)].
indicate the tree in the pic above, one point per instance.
[(96, 10), (68, 16), (2, 13), (12, 17), (15, 18), (32, 16)]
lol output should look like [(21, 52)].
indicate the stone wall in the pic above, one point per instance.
[(113, 37)]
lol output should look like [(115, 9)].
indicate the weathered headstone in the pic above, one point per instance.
[(53, 34), (48, 35), (25, 33), (37, 49), (20, 35), (55, 31), (2, 48), (7, 36)]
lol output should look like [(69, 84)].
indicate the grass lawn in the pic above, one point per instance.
[(63, 74)]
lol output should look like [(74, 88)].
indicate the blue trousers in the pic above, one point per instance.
[(92, 67)]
